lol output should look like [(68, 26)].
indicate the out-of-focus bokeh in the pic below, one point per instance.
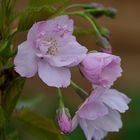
[(125, 40)]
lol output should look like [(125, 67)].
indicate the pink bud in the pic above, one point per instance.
[(64, 120), (101, 69)]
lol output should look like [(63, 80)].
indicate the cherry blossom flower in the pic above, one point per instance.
[(99, 114), (101, 69), (50, 50)]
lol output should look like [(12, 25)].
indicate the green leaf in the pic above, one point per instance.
[(38, 126), (12, 93), (30, 103), (45, 2), (3, 46), (34, 14)]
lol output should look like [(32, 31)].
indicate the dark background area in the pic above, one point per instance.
[(125, 40)]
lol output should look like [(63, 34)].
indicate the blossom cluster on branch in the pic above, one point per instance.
[(51, 50)]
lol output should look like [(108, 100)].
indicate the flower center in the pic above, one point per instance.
[(48, 46), (52, 50)]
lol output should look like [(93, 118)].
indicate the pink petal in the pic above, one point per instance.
[(70, 53), (74, 122), (61, 25), (31, 36), (25, 60), (115, 100), (88, 132), (53, 76), (110, 122), (97, 134), (93, 110)]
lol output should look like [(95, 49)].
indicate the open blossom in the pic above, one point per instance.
[(99, 114), (50, 50), (101, 69)]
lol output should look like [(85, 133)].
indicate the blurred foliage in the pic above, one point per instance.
[(11, 94), (131, 122), (45, 2), (32, 15), (38, 126)]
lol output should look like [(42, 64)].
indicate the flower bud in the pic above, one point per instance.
[(104, 44), (101, 69), (101, 10), (64, 120), (94, 6)]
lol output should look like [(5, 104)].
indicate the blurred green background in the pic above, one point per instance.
[(125, 40)]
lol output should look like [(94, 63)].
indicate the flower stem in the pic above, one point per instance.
[(93, 23), (75, 6), (61, 103), (81, 92), (85, 15)]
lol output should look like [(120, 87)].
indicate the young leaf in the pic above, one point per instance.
[(38, 126), (34, 14)]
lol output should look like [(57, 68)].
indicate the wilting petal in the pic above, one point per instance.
[(53, 76), (115, 100), (25, 60)]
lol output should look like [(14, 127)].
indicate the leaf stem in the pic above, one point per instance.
[(81, 92)]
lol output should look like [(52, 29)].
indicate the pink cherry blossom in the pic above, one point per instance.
[(99, 114), (101, 69), (50, 50)]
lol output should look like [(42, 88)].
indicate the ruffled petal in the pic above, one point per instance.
[(25, 60), (70, 53), (53, 76), (93, 110), (61, 25), (110, 122), (85, 127), (97, 134), (115, 100)]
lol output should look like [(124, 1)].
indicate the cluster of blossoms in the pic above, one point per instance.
[(51, 50)]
